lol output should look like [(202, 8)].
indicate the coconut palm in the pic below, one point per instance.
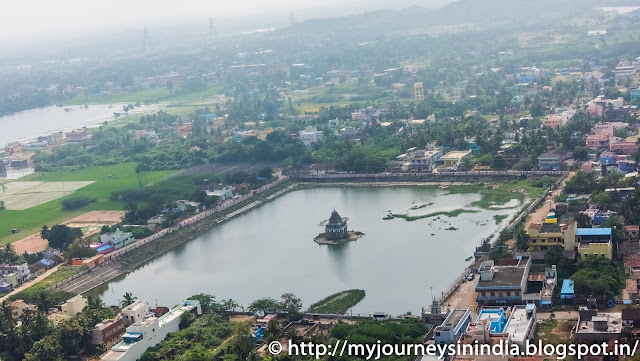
[(44, 302), (94, 303), (128, 299)]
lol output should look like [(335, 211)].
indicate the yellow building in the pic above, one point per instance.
[(56, 138), (543, 236), (596, 249), (594, 241), (418, 91), (74, 305), (453, 159)]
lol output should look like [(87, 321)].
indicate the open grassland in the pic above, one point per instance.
[(106, 179)]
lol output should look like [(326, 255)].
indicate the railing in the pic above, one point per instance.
[(402, 175), (204, 214)]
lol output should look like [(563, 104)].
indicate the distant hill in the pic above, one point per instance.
[(463, 12), (483, 10)]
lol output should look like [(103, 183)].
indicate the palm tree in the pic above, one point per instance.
[(94, 303), (6, 312), (44, 232), (128, 299), (44, 302)]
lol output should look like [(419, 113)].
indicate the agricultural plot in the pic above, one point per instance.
[(24, 195)]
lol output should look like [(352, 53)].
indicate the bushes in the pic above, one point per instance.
[(340, 302), (77, 203)]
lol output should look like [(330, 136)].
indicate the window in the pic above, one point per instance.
[(438, 334), (508, 294), (493, 294), (500, 294)]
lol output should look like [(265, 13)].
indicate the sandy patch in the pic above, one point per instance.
[(90, 222)]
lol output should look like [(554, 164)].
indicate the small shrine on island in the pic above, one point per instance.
[(336, 232)]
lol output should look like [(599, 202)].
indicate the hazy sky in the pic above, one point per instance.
[(26, 20)]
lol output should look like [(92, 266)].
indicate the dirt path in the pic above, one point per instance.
[(31, 283), (541, 212)]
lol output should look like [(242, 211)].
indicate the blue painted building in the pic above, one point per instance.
[(452, 327), (496, 318), (567, 292)]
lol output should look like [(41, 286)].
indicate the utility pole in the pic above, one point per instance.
[(146, 40), (212, 29)]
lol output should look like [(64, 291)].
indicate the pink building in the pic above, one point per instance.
[(624, 147), (606, 128), (598, 141)]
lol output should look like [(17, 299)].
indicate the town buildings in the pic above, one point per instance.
[(74, 306), (418, 91), (421, 160), (502, 285), (310, 135), (522, 325), (117, 239), (108, 332), (149, 331), (452, 327), (597, 327), (594, 241), (452, 160), (136, 311), (543, 236), (77, 135), (553, 160)]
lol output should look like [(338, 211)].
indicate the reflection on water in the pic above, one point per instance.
[(270, 251), (30, 124)]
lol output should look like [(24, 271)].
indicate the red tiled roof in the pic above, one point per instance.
[(632, 286), (632, 260)]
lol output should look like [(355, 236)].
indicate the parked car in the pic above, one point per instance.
[(470, 276)]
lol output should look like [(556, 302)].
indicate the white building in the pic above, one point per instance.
[(566, 115), (222, 194), (117, 239), (20, 270), (149, 332), (625, 71), (35, 146), (310, 135), (136, 311), (521, 326)]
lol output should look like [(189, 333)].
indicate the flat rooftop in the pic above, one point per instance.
[(593, 232), (613, 320), (504, 276), (518, 323), (455, 317), (457, 154)]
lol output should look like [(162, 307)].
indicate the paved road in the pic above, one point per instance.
[(28, 284), (112, 268)]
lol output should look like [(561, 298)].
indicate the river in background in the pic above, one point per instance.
[(30, 124), (270, 251)]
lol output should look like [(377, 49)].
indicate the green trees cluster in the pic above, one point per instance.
[(34, 338), (60, 236), (288, 303), (598, 277)]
